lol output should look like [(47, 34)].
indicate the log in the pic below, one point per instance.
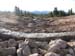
[(37, 35)]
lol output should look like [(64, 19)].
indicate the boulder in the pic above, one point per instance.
[(62, 52), (9, 55), (26, 51), (12, 43), (71, 51), (36, 44), (19, 41), (4, 44), (51, 54), (8, 51), (68, 55), (35, 54), (42, 52), (72, 43), (32, 44), (43, 45), (1, 40), (34, 50), (23, 44), (25, 48), (74, 48), (57, 45), (19, 52), (30, 24)]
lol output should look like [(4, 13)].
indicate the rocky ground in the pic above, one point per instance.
[(40, 25), (37, 24), (30, 47)]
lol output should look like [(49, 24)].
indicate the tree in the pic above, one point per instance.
[(62, 13), (18, 12), (70, 12), (51, 14), (55, 12)]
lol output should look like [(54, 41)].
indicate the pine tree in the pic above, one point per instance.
[(55, 12), (70, 12), (18, 12)]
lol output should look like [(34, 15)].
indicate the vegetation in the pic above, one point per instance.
[(54, 13)]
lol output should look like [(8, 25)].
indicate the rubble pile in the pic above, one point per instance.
[(42, 25), (30, 47)]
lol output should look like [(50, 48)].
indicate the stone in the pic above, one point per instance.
[(19, 52), (20, 41), (30, 24), (9, 51), (9, 55), (32, 44), (36, 44), (57, 45), (51, 54), (72, 43), (25, 48), (26, 51), (35, 54), (4, 44), (71, 51), (74, 48), (1, 40), (34, 50), (12, 43), (68, 55), (22, 44), (43, 45), (41, 51), (62, 52)]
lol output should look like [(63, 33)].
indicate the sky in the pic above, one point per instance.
[(37, 5)]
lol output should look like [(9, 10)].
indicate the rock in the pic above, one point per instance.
[(68, 55), (30, 24), (42, 52), (27, 30), (26, 41), (36, 44), (9, 51), (20, 41), (72, 43), (4, 44), (71, 51), (51, 54), (26, 51), (35, 54), (1, 40), (62, 52), (57, 45), (43, 45), (34, 50), (19, 52), (22, 45), (9, 55), (32, 44), (12, 43), (25, 48), (74, 48)]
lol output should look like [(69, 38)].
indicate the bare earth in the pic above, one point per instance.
[(11, 46), (27, 24)]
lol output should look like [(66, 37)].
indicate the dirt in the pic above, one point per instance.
[(51, 24)]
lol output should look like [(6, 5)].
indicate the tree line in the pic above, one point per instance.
[(54, 13)]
